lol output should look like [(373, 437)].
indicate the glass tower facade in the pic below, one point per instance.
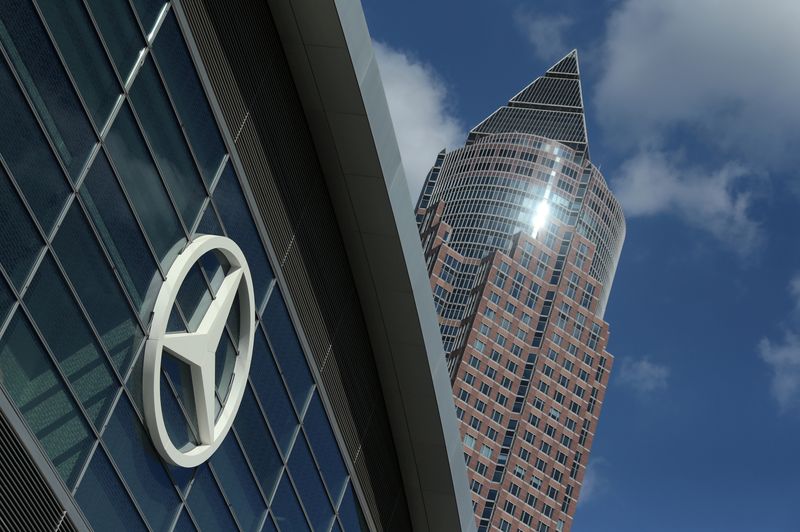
[(522, 236), (111, 161)]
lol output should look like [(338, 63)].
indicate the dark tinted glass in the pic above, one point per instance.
[(240, 227), (287, 349), (272, 394), (148, 11), (19, 241), (187, 93), (286, 509), (38, 391), (27, 153), (166, 140), (140, 466), (81, 360), (268, 525), (6, 299), (350, 513), (117, 227), (120, 33), (144, 186), (194, 297), (206, 503), (325, 448), (238, 484), (309, 486), (41, 73), (98, 289), (257, 443), (81, 48), (184, 523), (103, 500)]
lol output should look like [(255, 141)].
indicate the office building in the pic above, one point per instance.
[(522, 236), (214, 312)]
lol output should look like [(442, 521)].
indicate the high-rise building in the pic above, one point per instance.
[(213, 307), (522, 236)]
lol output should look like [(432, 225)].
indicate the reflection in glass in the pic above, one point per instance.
[(124, 242), (206, 503), (87, 61), (286, 509), (267, 383), (19, 240), (257, 443), (238, 484), (166, 140), (143, 184), (190, 101), (287, 349), (97, 289), (46, 83), (132, 451), (309, 486), (325, 448), (120, 33), (71, 341), (240, 227), (29, 377), (103, 499), (28, 155)]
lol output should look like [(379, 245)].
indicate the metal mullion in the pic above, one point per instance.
[(159, 170), (250, 467), (162, 15), (97, 32), (269, 427), (297, 494), (224, 496), (334, 504)]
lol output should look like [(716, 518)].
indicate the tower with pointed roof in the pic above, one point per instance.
[(522, 236)]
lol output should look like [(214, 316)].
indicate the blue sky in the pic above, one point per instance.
[(693, 117)]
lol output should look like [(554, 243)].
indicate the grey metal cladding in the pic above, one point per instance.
[(245, 62), (26, 500)]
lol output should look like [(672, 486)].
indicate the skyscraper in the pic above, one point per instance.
[(522, 235)]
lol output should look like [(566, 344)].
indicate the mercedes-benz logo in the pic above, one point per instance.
[(198, 350)]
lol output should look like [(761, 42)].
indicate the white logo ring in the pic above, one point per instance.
[(198, 350)]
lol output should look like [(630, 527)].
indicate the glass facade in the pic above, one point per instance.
[(115, 164)]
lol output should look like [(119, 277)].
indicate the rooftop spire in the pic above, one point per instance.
[(551, 106)]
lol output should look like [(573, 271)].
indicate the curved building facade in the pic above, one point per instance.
[(522, 237)]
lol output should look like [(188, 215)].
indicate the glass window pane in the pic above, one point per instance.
[(19, 241), (103, 500), (194, 297), (224, 361), (286, 509), (167, 142), (144, 186), (29, 377), (28, 155), (206, 503), (148, 11), (241, 229), (350, 513), (287, 349), (309, 486), (120, 33), (140, 465), (123, 240), (268, 525), (190, 101), (87, 61), (238, 484), (98, 289), (257, 443), (46, 82), (272, 394), (6, 299), (326, 450), (71, 341)]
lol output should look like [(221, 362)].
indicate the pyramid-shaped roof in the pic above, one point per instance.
[(551, 106)]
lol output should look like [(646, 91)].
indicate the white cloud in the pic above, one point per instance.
[(595, 480), (783, 357), (643, 375), (545, 33), (653, 182), (421, 112), (721, 76)]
